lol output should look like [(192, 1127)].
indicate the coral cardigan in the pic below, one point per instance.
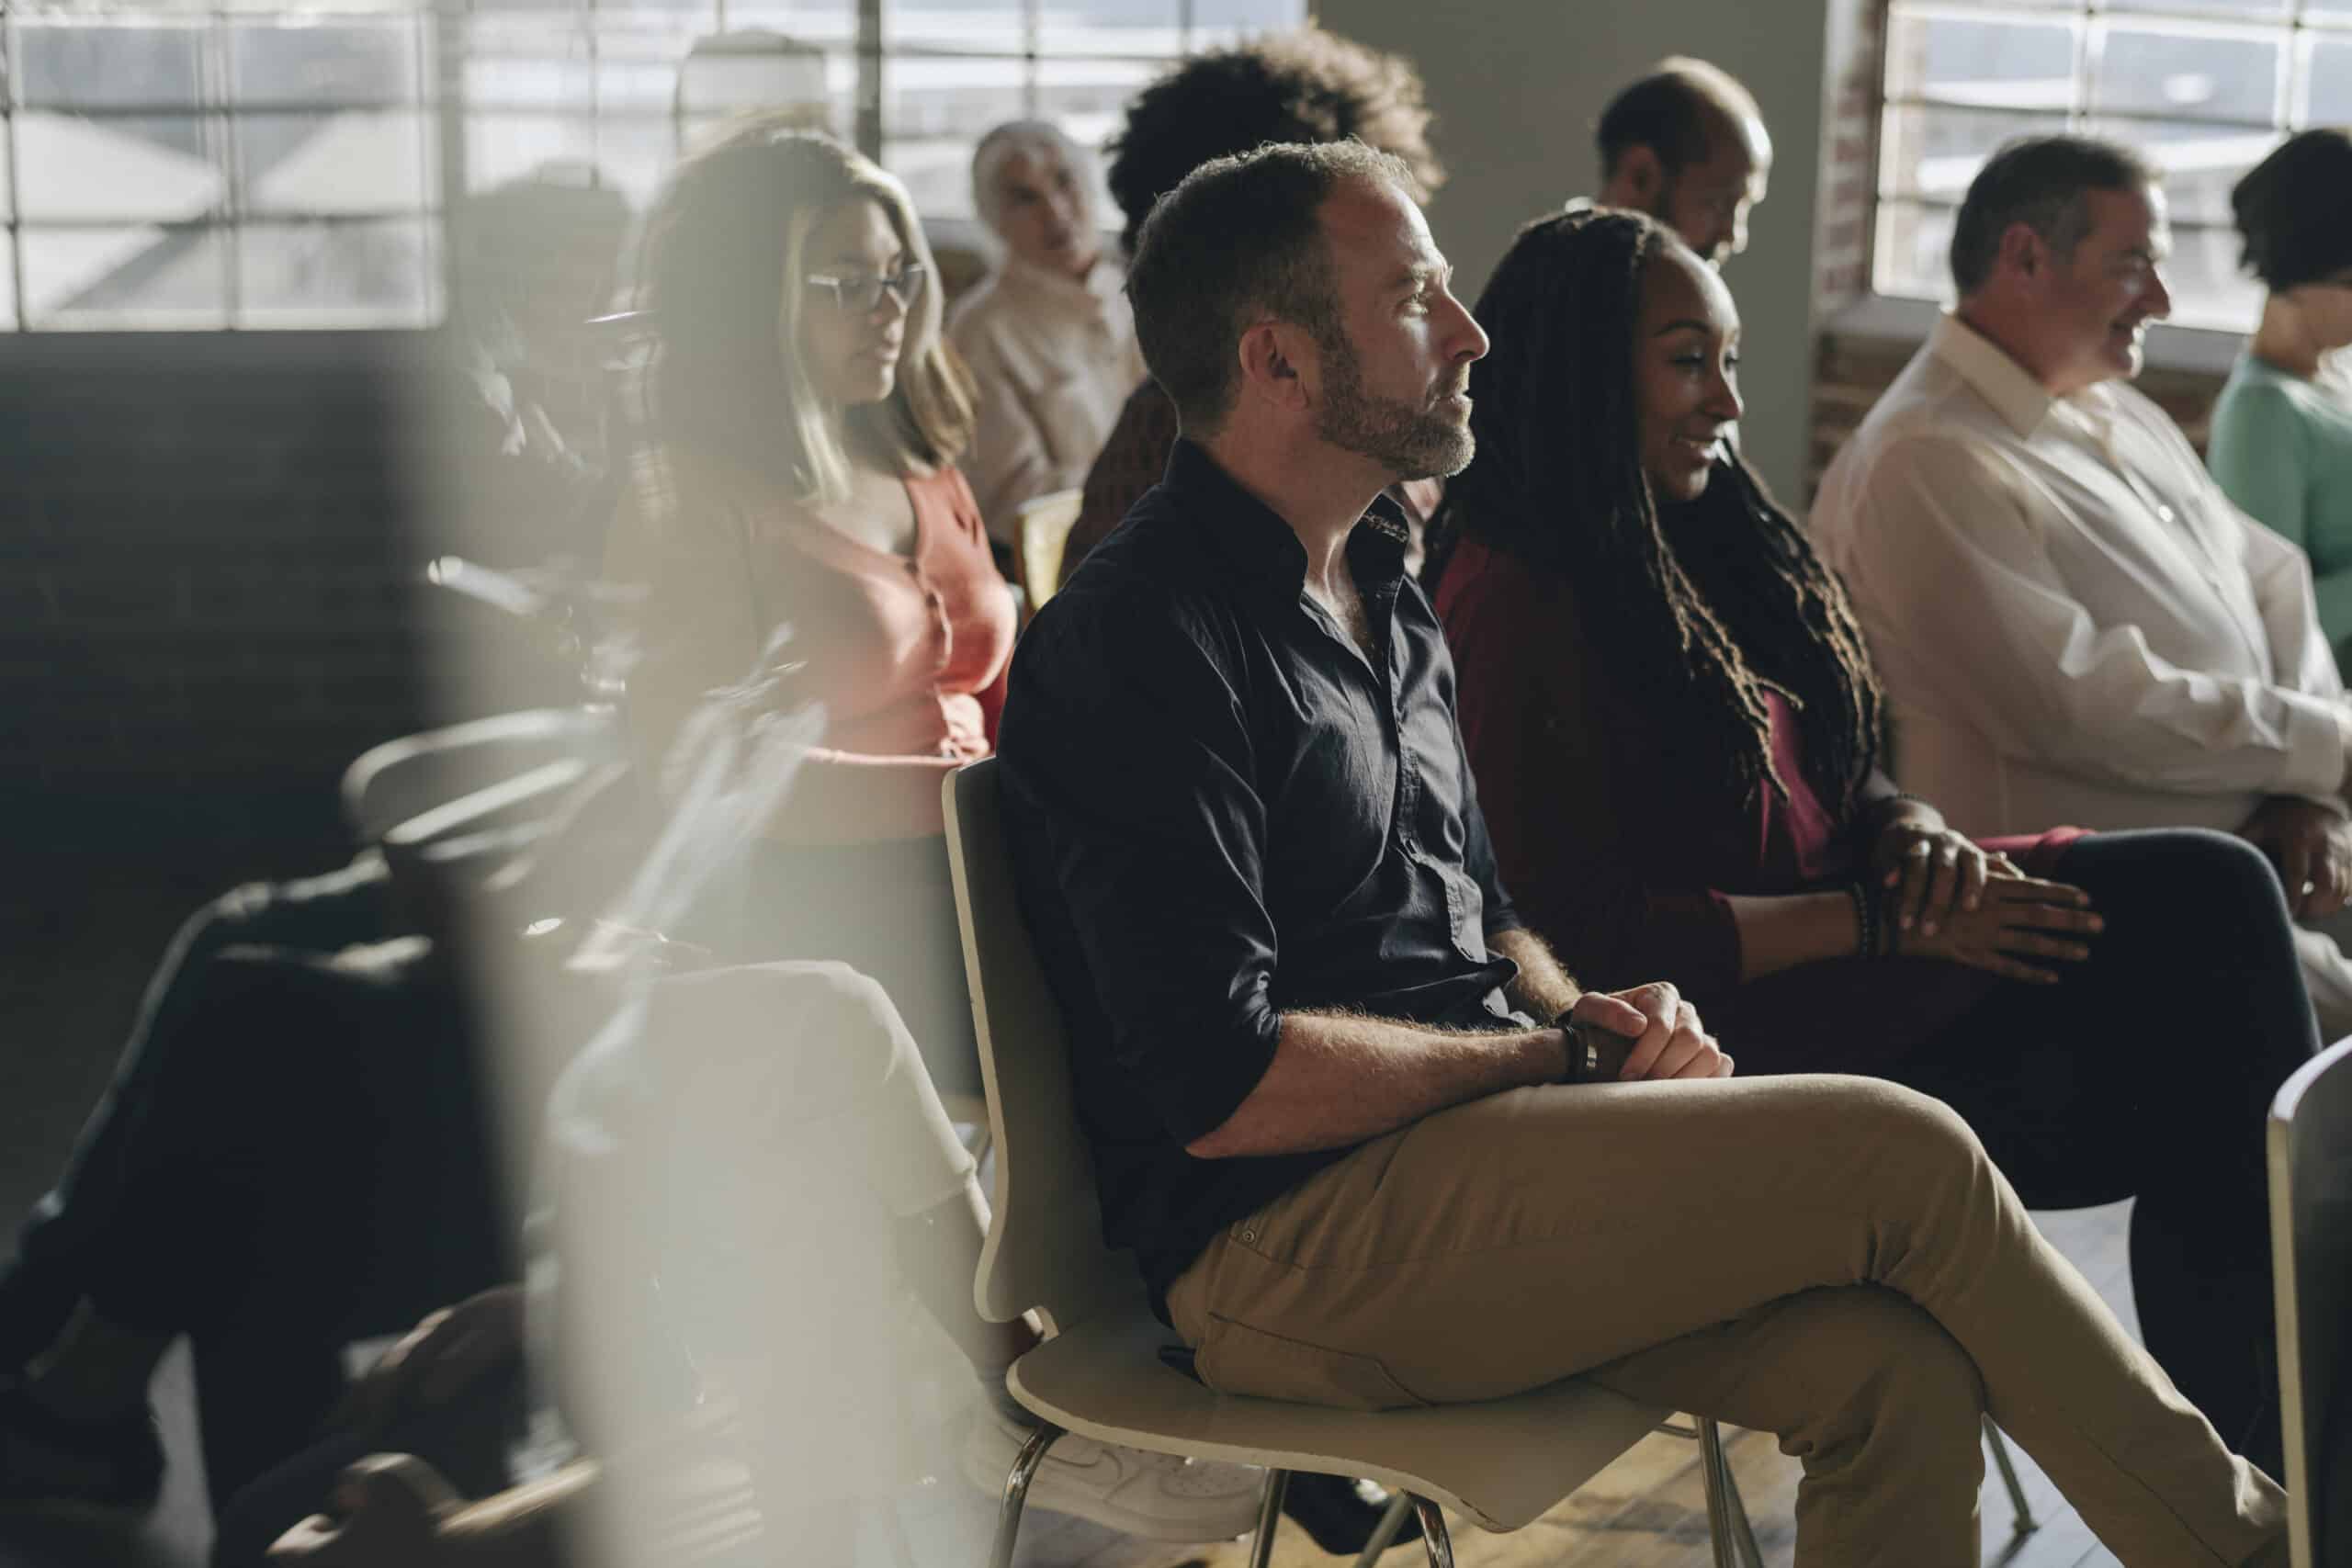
[(906, 653)]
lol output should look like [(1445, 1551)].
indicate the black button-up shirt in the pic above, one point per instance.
[(1220, 809)]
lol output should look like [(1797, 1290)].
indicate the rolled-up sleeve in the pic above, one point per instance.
[(1127, 751), (1479, 859)]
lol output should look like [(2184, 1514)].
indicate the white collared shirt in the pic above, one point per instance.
[(1055, 360), (2074, 624)]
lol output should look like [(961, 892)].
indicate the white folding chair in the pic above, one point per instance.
[(1501, 1462), (2311, 1252), (1042, 528)]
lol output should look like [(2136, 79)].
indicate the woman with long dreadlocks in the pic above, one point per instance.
[(1675, 732)]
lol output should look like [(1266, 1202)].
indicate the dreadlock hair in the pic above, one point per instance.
[(1701, 608)]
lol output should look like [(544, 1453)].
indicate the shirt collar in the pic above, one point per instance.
[(2020, 400), (1263, 549)]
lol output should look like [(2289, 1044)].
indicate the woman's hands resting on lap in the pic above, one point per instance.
[(1945, 896)]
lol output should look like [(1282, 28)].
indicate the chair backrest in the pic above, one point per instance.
[(2311, 1233), (401, 780), (1044, 1247), (1044, 528)]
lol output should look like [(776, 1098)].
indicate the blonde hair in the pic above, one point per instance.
[(715, 272)]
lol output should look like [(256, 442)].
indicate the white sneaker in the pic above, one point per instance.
[(1157, 1496)]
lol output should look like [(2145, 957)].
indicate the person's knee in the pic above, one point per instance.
[(1885, 1375), (1919, 1131), (2219, 876)]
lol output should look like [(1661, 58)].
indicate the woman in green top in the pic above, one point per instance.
[(2282, 435)]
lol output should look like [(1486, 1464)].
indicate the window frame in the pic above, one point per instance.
[(2201, 346), (444, 108), (217, 105)]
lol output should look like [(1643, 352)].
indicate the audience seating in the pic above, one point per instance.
[(1044, 528), (2311, 1234), (1502, 1463), (404, 779)]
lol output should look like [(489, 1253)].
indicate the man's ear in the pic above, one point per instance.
[(1639, 177), (2024, 252), (1270, 353)]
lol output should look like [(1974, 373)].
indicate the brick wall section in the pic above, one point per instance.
[(1851, 372), (1850, 123), (201, 612)]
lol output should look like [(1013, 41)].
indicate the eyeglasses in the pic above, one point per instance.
[(859, 293)]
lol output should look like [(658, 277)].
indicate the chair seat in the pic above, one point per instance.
[(1501, 1462)]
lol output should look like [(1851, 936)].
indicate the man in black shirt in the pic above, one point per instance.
[(1314, 1053)]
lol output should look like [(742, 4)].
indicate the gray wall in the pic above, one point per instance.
[(1517, 85)]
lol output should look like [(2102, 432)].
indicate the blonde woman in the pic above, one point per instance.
[(801, 483), (803, 535)]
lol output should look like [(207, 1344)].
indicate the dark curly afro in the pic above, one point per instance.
[(1301, 86)]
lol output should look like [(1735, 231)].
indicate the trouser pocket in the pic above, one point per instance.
[(1234, 1357)]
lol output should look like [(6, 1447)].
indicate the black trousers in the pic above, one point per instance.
[(2147, 1073), (296, 1152), (68, 1228)]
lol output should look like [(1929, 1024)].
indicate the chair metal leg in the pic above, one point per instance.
[(1743, 1528), (1016, 1493), (1384, 1534), (903, 1553), (1712, 1474), (2026, 1522), (1434, 1539), (1269, 1517)]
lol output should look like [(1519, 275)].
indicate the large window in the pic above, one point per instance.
[(2204, 87), (236, 163), (182, 165)]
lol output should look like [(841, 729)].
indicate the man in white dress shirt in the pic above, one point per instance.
[(2074, 624), (1048, 337)]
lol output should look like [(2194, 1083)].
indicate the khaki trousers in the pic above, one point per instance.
[(1831, 1260)]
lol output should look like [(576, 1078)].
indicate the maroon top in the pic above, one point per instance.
[(1620, 852)]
